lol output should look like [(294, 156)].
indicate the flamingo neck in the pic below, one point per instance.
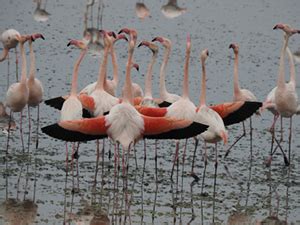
[(236, 86), (24, 64), (128, 95), (32, 62), (115, 65), (162, 79), (4, 54), (203, 85), (281, 75), (102, 71), (185, 93), (292, 67), (75, 73), (148, 80)]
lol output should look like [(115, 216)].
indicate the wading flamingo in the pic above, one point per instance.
[(35, 87), (18, 93), (240, 95), (216, 130)]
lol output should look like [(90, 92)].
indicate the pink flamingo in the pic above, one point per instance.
[(240, 95), (18, 93), (166, 97), (35, 87), (216, 130)]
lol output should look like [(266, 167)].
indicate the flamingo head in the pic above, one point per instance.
[(286, 28), (235, 48), (78, 43), (136, 66), (112, 34), (36, 36), (164, 41), (204, 55), (150, 45), (224, 135), (107, 37), (121, 36)]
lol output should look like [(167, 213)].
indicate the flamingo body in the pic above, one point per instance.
[(8, 38), (35, 92), (17, 96), (182, 109), (71, 109)]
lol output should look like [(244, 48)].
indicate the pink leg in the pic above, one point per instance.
[(37, 127), (8, 135), (290, 139), (17, 65), (175, 158), (237, 140), (67, 159), (21, 130), (29, 126), (205, 164), (193, 162), (8, 71)]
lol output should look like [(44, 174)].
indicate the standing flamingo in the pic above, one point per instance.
[(9, 41), (216, 130), (18, 93), (35, 87), (148, 98), (165, 96), (286, 98), (124, 124), (240, 95)]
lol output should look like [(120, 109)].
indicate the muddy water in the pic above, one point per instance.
[(34, 186)]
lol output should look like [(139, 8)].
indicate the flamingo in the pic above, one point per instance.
[(148, 99), (39, 14), (166, 97), (35, 87), (9, 41), (240, 95), (124, 124), (286, 98), (110, 85), (172, 10), (18, 93), (141, 10), (216, 130)]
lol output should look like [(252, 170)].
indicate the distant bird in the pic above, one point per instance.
[(35, 86), (205, 115), (172, 10), (40, 14), (166, 97), (18, 93), (4, 120), (240, 94), (141, 10)]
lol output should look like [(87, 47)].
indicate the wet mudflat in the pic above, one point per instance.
[(34, 187)]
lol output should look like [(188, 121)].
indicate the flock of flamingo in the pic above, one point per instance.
[(96, 112)]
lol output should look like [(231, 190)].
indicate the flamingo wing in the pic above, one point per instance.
[(169, 128), (235, 112), (58, 102), (78, 130), (150, 111)]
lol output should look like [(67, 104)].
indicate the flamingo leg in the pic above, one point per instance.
[(281, 129), (76, 156), (290, 139), (215, 179), (145, 155), (135, 157), (29, 127), (272, 130), (72, 166), (21, 130), (175, 158), (8, 65), (237, 140), (286, 161), (193, 162), (205, 164), (251, 135), (183, 161), (67, 159), (17, 65), (97, 161), (37, 128), (155, 158), (8, 131)]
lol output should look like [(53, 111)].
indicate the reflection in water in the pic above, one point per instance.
[(141, 10), (17, 210), (91, 34), (172, 10), (40, 14)]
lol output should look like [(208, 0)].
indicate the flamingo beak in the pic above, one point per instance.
[(111, 33), (36, 36), (278, 26), (161, 40), (231, 46), (136, 66), (124, 30), (143, 43)]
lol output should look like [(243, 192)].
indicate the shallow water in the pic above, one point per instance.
[(245, 188)]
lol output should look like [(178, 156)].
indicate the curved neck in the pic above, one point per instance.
[(128, 95), (75, 73), (281, 75), (148, 80), (185, 93), (24, 64), (32, 62), (162, 75), (4, 54), (203, 84), (292, 67), (115, 65), (102, 70), (236, 86)]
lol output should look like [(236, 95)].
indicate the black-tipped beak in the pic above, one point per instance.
[(140, 44), (114, 34), (32, 39), (231, 46), (275, 27), (154, 39), (69, 44), (42, 37), (207, 53)]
